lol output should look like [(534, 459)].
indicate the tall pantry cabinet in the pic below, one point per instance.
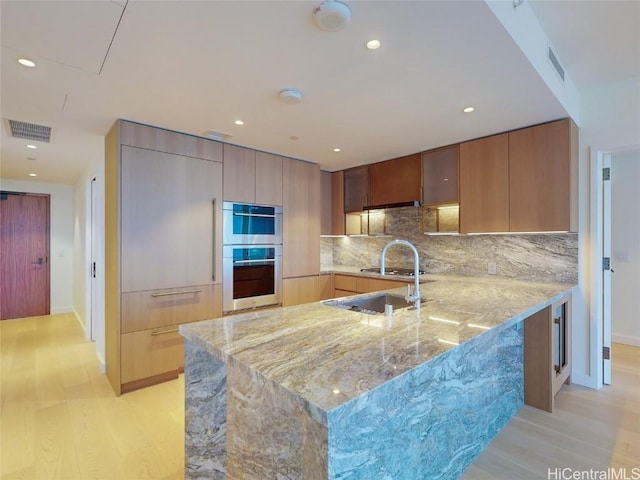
[(163, 230)]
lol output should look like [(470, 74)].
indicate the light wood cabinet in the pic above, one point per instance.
[(332, 208), (547, 354), (325, 286), (239, 174), (394, 181), (169, 205), (159, 308), (356, 189), (301, 219), (440, 176), (542, 167), (251, 176), (346, 285), (484, 185), (268, 179), (163, 248), (297, 291)]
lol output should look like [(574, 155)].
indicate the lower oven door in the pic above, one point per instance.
[(252, 276)]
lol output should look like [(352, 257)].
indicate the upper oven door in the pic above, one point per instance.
[(247, 224)]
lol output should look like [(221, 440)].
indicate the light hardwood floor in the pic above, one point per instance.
[(60, 419)]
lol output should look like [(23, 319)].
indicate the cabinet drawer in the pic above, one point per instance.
[(344, 282), (151, 352), (366, 285), (160, 308)]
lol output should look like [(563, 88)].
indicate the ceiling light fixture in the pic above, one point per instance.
[(31, 146), (373, 44), (468, 109), (332, 15), (26, 62), (337, 150), (291, 96), (239, 122), (33, 174)]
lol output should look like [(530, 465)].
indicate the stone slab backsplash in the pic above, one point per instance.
[(533, 257)]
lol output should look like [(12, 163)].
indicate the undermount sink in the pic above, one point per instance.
[(372, 304)]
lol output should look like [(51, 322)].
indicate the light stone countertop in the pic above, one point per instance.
[(329, 356)]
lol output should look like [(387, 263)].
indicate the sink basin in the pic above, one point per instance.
[(372, 304)]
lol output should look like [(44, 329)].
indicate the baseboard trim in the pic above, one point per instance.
[(626, 340), (57, 310), (75, 314)]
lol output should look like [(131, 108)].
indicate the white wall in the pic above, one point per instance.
[(625, 242), (61, 238), (610, 120)]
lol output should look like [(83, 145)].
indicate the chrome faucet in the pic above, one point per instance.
[(411, 296)]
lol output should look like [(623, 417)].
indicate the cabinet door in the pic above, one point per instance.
[(326, 205), (540, 178), (168, 207), (337, 203), (484, 185), (239, 174), (440, 181), (395, 181), (356, 189), (268, 179), (296, 291), (301, 219)]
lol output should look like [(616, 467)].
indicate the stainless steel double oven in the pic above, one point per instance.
[(251, 256)]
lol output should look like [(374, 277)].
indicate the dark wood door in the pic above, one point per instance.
[(24, 255)]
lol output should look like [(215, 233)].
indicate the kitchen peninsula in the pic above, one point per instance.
[(318, 392)]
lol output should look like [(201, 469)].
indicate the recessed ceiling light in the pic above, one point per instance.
[(294, 137), (468, 109), (26, 62), (33, 174), (31, 146), (336, 150), (239, 122), (373, 44)]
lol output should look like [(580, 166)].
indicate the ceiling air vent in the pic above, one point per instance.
[(29, 131), (556, 64)]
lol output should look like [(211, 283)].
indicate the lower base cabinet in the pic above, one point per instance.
[(345, 285), (149, 356), (547, 354), (299, 290)]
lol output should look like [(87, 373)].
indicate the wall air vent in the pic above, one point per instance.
[(556, 63), (220, 136), (29, 131)]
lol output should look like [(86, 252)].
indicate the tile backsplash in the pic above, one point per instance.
[(534, 257)]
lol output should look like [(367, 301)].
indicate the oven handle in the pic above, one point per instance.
[(271, 260), (264, 215)]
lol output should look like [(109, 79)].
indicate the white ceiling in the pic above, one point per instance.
[(198, 66)]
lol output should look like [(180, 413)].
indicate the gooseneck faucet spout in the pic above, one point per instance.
[(411, 297)]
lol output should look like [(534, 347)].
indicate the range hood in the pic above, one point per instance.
[(414, 203)]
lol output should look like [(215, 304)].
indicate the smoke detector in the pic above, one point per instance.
[(290, 96), (332, 15)]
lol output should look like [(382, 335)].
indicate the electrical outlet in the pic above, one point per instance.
[(492, 268)]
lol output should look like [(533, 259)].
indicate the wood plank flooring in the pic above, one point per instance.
[(61, 420)]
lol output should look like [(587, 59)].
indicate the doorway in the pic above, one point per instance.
[(607, 255), (24, 255)]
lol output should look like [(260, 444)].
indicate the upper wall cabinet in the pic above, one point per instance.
[(484, 185), (520, 181), (251, 176), (543, 178), (395, 181), (332, 206), (440, 176), (356, 189)]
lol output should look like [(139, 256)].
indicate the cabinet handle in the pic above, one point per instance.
[(213, 246), (257, 260), (163, 332), (181, 292)]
